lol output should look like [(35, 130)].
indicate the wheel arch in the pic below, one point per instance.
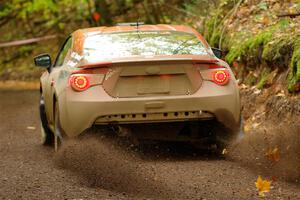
[(41, 89)]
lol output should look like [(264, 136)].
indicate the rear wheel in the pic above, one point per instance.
[(225, 137), (47, 136), (57, 127)]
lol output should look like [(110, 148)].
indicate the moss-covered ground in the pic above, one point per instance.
[(257, 41)]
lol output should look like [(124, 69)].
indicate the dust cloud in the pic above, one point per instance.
[(109, 163), (252, 151), (100, 162)]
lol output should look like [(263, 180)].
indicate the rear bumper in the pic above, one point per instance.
[(134, 118), (80, 110)]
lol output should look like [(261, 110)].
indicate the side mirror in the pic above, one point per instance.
[(218, 52), (43, 60)]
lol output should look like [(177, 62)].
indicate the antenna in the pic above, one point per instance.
[(138, 21), (137, 24)]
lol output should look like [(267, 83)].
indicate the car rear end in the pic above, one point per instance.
[(162, 92)]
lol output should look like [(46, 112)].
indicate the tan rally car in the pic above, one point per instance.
[(156, 82)]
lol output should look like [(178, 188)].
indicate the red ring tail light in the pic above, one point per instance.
[(79, 82), (220, 77)]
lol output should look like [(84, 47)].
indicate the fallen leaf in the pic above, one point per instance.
[(274, 179), (273, 154), (292, 11), (262, 186), (235, 64), (96, 16), (280, 94), (243, 86), (255, 125), (31, 127), (266, 20), (247, 128), (224, 152), (257, 91)]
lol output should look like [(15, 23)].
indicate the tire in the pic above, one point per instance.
[(47, 136), (57, 127), (229, 137)]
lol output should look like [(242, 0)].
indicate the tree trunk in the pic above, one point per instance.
[(102, 7)]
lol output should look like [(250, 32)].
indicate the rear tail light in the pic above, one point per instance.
[(215, 73), (220, 77), (79, 82), (83, 79), (214, 66)]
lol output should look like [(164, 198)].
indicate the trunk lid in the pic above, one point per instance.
[(147, 77)]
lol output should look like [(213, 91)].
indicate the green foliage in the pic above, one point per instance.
[(271, 45), (279, 46), (212, 33), (263, 5), (209, 28), (215, 21), (294, 75), (242, 49), (47, 7), (263, 78), (250, 80), (281, 43), (283, 23), (195, 5), (26, 49), (273, 49), (38, 16)]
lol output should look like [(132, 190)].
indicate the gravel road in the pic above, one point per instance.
[(95, 168)]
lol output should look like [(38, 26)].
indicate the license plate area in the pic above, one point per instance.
[(153, 85)]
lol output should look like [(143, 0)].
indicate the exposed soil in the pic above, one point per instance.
[(97, 167), (254, 152), (272, 124)]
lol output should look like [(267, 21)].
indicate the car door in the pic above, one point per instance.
[(52, 84)]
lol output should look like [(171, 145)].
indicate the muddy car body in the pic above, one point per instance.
[(135, 77)]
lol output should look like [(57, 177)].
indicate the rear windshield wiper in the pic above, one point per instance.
[(181, 45)]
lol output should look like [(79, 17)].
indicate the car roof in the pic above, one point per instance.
[(125, 28), (80, 35)]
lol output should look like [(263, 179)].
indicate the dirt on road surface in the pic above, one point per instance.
[(98, 168)]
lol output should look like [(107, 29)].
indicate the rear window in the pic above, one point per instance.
[(141, 43)]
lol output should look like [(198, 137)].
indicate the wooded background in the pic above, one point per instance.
[(40, 17), (260, 38)]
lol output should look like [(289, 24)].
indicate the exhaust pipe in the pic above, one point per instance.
[(122, 131)]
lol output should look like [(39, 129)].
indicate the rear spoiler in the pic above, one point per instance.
[(149, 60)]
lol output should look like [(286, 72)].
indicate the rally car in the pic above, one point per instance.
[(156, 82)]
